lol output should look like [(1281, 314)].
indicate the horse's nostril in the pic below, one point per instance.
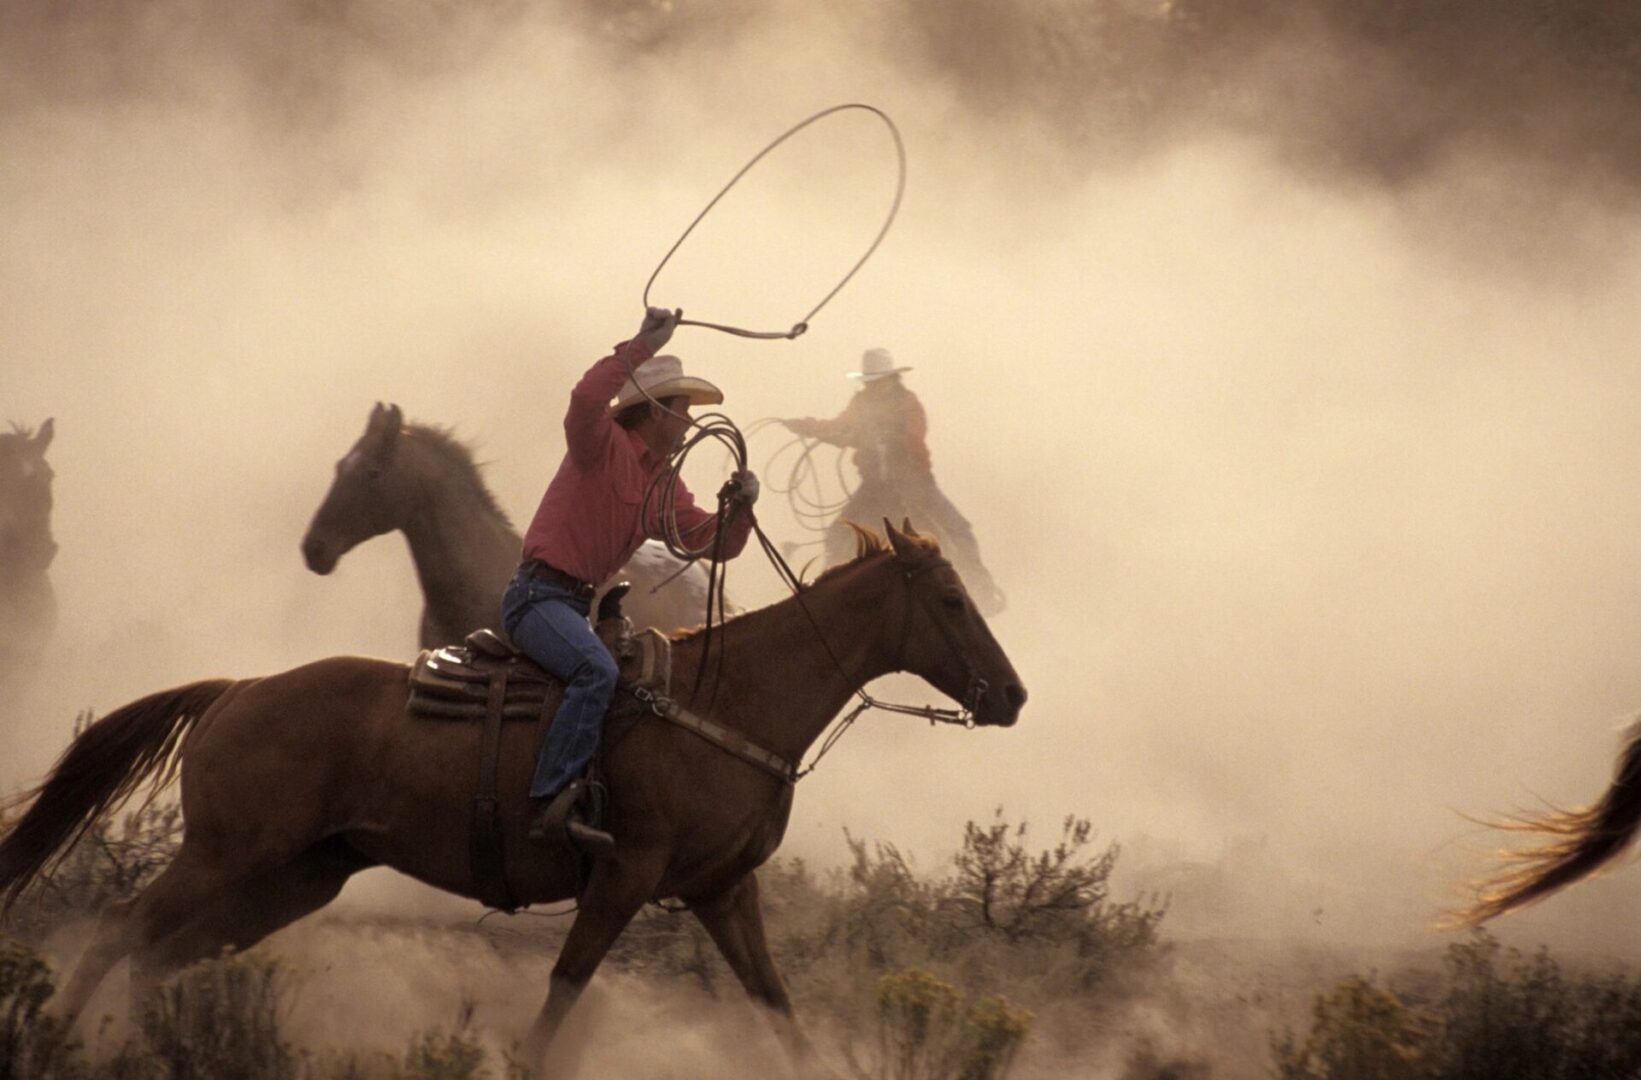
[(1015, 694), (313, 550)]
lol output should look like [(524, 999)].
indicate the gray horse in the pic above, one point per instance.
[(422, 481)]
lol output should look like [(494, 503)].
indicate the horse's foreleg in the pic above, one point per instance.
[(616, 890), (735, 921)]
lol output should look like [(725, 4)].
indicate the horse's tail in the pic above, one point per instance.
[(100, 769), (1582, 842)]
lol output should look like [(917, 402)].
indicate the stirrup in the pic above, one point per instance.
[(555, 815), (588, 839)]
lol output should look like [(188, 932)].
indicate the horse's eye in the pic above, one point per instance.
[(373, 473), (951, 602)]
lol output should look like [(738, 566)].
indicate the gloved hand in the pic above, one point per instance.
[(657, 328), (740, 488), (803, 426)]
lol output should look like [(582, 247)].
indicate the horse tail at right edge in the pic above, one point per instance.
[(100, 769), (1582, 842)]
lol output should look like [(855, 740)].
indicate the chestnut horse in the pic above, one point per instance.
[(293, 782), (28, 604), (422, 481), (1575, 843)]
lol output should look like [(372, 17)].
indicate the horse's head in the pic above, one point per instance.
[(943, 637), (25, 496), (370, 495)]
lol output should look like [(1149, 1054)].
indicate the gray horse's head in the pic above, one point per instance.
[(369, 496)]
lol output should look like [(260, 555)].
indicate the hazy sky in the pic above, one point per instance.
[(1313, 499)]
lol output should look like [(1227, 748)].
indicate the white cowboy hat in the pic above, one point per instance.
[(875, 364), (662, 377)]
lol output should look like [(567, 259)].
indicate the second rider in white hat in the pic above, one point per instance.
[(884, 424)]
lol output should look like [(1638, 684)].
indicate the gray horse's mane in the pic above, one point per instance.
[(456, 456)]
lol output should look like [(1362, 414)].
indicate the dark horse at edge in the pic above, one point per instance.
[(28, 603), (294, 782)]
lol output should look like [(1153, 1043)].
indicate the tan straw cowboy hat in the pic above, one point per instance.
[(875, 364), (662, 377)]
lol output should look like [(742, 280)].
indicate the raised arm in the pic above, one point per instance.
[(588, 426), (843, 429)]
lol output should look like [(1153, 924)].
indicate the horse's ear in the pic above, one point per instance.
[(897, 540), (382, 432), (906, 527), (385, 421), (42, 438)]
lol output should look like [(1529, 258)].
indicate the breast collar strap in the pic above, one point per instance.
[(718, 735)]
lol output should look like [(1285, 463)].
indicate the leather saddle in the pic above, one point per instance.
[(454, 682)]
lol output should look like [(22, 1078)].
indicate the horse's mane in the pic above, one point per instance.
[(868, 543), (456, 455)]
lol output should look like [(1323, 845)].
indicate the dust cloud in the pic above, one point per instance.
[(1310, 482)]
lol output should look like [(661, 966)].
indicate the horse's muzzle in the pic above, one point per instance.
[(318, 555), (1001, 709)]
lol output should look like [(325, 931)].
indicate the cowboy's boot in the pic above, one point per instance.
[(560, 816), (553, 812), (586, 825)]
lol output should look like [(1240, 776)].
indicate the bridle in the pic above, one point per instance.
[(972, 695), (977, 687)]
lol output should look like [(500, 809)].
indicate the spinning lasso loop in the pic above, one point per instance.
[(894, 208)]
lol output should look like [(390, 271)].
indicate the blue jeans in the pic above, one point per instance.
[(549, 625)]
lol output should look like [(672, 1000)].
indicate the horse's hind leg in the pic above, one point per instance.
[(198, 907), (734, 919), (109, 945), (127, 925), (238, 914)]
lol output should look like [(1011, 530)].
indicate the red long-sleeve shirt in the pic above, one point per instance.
[(587, 524), (887, 428)]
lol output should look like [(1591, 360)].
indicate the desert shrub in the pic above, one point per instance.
[(32, 1044), (1358, 1032), (1491, 1014), (447, 1055), (221, 1018), (1041, 922), (927, 1031), (1505, 1015)]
